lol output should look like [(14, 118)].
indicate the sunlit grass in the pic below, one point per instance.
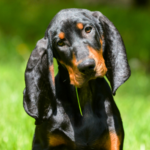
[(133, 100), (16, 128)]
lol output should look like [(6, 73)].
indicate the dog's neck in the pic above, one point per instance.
[(85, 92)]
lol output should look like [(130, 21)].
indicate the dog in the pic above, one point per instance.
[(87, 46)]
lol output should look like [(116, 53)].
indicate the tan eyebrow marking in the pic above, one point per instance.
[(61, 35), (80, 26)]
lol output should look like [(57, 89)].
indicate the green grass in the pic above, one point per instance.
[(133, 100), (17, 127)]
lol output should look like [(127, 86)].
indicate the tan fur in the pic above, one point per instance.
[(61, 35), (51, 69), (99, 60), (76, 77), (115, 141), (80, 26), (56, 140), (109, 142)]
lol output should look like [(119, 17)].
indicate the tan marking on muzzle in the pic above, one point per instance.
[(97, 55), (51, 69), (80, 26), (76, 77), (61, 35)]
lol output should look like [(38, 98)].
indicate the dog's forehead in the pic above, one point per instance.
[(71, 16)]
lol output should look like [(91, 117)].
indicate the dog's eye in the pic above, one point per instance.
[(60, 43), (88, 29)]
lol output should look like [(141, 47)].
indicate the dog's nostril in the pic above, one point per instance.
[(91, 67), (87, 66)]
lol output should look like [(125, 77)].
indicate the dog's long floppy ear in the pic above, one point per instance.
[(114, 53), (39, 94)]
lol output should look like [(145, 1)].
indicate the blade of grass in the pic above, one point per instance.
[(78, 101)]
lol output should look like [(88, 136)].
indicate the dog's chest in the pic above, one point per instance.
[(71, 129), (75, 130)]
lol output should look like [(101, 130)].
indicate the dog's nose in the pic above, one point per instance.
[(87, 66)]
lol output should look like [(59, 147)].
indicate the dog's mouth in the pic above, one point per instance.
[(79, 79)]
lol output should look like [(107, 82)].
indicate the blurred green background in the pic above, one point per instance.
[(23, 23)]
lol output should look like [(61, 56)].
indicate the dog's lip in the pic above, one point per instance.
[(90, 76), (87, 79)]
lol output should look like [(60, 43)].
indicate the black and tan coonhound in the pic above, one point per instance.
[(87, 46)]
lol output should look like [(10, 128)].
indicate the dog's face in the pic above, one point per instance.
[(77, 44), (87, 44)]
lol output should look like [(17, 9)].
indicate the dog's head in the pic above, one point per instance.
[(87, 44)]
